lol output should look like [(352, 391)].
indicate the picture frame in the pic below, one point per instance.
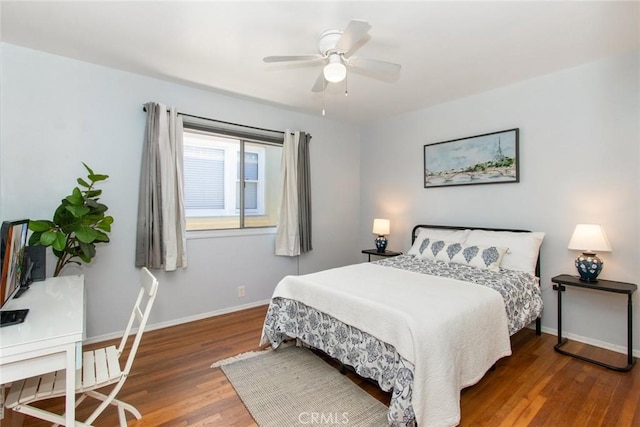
[(490, 158)]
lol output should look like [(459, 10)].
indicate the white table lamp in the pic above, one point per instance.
[(589, 238), (381, 227)]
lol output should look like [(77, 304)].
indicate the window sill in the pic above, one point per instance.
[(232, 232)]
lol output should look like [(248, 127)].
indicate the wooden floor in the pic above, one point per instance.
[(172, 383)]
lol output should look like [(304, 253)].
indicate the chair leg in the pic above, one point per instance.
[(116, 402), (108, 400), (124, 405), (78, 402), (32, 411), (100, 407), (121, 416)]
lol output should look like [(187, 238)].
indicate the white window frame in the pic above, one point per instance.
[(231, 146), (260, 151)]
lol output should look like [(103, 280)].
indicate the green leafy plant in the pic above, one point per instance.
[(79, 223)]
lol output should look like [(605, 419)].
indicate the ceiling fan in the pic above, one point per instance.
[(334, 47)]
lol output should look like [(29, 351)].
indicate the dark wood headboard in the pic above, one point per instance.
[(455, 227)]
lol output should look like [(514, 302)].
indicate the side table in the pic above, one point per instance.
[(563, 280), (382, 254)]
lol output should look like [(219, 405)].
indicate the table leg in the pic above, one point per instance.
[(561, 341), (560, 289), (630, 360), (70, 398)]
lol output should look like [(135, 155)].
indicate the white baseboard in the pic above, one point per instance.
[(591, 341), (180, 321)]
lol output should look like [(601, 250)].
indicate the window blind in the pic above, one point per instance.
[(204, 167)]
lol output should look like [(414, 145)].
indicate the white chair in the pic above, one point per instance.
[(100, 367)]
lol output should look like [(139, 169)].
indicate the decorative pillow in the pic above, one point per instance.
[(453, 236), (486, 257), (523, 247)]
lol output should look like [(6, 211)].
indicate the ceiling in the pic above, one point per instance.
[(447, 49)]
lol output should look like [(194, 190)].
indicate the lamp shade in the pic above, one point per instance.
[(335, 71), (381, 227), (589, 238)]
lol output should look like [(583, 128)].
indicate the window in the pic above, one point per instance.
[(214, 176)]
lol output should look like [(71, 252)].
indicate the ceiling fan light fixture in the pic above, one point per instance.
[(333, 45), (335, 71)]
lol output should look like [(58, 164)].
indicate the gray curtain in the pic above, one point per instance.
[(304, 193), (293, 234), (149, 229), (288, 230), (161, 228)]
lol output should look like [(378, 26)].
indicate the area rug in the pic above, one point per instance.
[(294, 387)]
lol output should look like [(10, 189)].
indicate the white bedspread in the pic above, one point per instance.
[(452, 331)]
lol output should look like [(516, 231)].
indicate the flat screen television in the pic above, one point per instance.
[(13, 241)]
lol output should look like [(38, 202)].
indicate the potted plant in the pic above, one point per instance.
[(79, 223)]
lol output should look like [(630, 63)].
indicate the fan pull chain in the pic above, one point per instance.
[(324, 90), (346, 84)]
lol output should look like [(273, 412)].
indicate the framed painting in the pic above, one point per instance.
[(491, 158)]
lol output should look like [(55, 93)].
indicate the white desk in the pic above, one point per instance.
[(50, 338)]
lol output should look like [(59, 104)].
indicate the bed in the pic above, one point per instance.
[(422, 325)]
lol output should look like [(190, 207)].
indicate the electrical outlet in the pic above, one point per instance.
[(240, 291)]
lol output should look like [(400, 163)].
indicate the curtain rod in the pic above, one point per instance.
[(222, 121)]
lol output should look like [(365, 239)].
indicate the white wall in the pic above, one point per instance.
[(58, 112), (579, 159)]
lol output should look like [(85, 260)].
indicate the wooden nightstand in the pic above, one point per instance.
[(385, 254), (605, 286)]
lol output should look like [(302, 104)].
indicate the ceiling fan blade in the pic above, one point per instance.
[(389, 69), (354, 32), (320, 83), (286, 58)]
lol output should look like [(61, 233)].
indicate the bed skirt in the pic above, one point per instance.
[(369, 357)]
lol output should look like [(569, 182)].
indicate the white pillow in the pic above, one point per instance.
[(486, 257), (523, 247), (453, 236)]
